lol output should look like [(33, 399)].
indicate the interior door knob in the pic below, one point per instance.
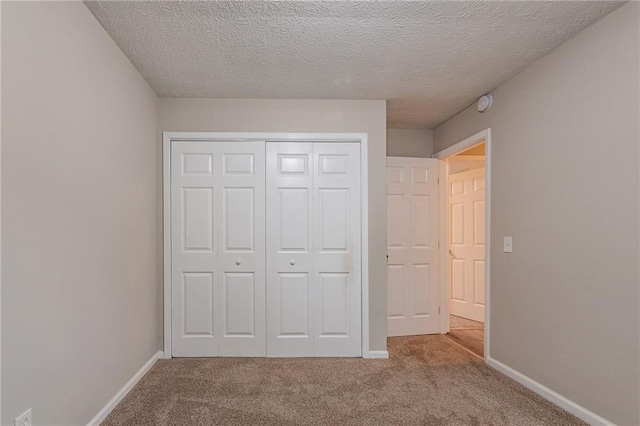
[(293, 262), (238, 261)]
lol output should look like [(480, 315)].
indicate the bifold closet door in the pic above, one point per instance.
[(290, 249), (218, 248), (313, 249)]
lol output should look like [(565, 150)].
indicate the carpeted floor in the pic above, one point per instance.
[(428, 380)]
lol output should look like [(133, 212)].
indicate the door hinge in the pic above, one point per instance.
[(438, 310)]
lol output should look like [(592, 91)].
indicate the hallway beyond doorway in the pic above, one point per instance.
[(467, 333)]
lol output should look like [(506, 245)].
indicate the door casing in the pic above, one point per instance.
[(361, 138), (480, 137)]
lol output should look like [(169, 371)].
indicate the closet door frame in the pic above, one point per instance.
[(361, 138)]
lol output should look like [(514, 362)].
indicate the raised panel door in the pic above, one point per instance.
[(194, 249), (412, 288), (337, 249), (290, 290), (467, 243), (242, 324)]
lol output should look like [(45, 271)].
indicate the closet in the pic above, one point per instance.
[(265, 248)]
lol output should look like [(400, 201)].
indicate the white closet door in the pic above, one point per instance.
[(218, 259), (289, 249), (310, 227), (194, 249), (313, 249), (412, 246), (242, 328), (337, 249)]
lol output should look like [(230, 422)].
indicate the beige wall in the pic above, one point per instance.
[(79, 214), (564, 304), (265, 115), (409, 143)]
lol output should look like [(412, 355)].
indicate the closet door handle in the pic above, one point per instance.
[(238, 262), (293, 262)]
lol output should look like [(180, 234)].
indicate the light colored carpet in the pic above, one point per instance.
[(427, 381)]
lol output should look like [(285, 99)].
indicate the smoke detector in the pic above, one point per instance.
[(484, 103)]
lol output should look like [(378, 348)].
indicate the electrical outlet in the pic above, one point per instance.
[(23, 419)]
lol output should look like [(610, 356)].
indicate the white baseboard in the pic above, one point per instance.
[(552, 396), (376, 355), (102, 414)]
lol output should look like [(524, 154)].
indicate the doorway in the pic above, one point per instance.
[(465, 222), (464, 233), (437, 246)]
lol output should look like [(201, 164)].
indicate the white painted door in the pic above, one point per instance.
[(313, 249), (218, 249), (290, 249), (467, 243), (194, 254), (412, 240), (337, 249)]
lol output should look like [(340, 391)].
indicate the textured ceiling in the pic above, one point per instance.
[(428, 59)]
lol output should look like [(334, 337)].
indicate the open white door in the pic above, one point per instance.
[(412, 246), (467, 243)]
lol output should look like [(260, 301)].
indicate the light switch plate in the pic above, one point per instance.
[(23, 419), (508, 245)]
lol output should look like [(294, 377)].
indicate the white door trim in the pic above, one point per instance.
[(480, 137), (168, 137)]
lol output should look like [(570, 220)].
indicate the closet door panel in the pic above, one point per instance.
[(194, 249), (337, 251), (241, 303), (289, 249)]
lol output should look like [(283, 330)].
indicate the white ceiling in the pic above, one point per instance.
[(428, 59)]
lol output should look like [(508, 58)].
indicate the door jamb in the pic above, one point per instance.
[(480, 137), (361, 138)]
